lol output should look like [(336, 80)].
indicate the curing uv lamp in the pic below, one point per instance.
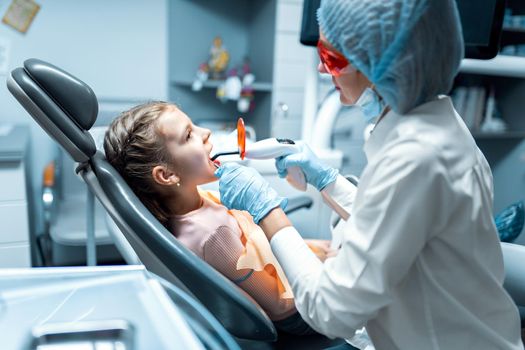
[(269, 149), (265, 149)]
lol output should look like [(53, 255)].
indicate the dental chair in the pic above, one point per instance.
[(66, 108)]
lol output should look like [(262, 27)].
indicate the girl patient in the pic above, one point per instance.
[(163, 157)]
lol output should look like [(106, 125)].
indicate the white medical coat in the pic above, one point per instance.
[(420, 264)]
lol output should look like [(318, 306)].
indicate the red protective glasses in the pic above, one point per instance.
[(333, 61)]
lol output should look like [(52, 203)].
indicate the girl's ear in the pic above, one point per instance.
[(163, 176)]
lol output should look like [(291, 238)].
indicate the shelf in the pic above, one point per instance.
[(213, 84), (479, 135), (513, 30), (506, 66)]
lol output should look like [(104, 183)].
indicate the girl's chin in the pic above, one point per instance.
[(211, 179), (210, 176)]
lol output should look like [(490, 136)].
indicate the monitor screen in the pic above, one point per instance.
[(482, 22)]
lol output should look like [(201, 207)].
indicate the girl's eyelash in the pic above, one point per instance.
[(189, 135)]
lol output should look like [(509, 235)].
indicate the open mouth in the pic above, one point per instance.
[(214, 162)]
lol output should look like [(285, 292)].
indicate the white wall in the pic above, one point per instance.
[(118, 47)]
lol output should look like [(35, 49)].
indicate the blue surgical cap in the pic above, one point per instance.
[(409, 49)]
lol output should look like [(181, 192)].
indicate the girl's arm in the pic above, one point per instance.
[(222, 251)]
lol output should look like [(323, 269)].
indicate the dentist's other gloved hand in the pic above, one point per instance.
[(317, 174), (244, 188)]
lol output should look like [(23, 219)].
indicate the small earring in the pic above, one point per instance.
[(178, 184)]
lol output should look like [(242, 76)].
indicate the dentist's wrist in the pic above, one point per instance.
[(329, 176)]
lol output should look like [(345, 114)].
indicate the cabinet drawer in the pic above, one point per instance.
[(12, 181), (15, 255), (13, 222)]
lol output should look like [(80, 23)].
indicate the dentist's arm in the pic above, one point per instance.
[(337, 192), (245, 189)]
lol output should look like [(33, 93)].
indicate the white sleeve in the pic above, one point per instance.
[(339, 195), (396, 211), (341, 191)]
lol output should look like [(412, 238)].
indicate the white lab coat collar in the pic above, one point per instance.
[(380, 132)]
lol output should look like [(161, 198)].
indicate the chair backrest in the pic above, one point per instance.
[(66, 108)]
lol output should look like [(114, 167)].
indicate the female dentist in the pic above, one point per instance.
[(420, 264)]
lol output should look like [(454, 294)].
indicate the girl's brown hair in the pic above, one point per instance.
[(133, 148)]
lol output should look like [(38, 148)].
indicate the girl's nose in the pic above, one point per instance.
[(206, 133)]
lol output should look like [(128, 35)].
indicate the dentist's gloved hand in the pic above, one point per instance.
[(244, 188), (317, 174)]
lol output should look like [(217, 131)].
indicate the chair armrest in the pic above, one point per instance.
[(297, 203), (354, 180), (513, 257)]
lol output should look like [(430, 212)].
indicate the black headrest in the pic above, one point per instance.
[(64, 106), (73, 95)]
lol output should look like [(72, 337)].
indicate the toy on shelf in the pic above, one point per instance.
[(246, 100), (238, 87), (230, 89), (219, 58), (214, 67), (201, 76)]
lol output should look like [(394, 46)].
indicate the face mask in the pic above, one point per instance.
[(371, 104)]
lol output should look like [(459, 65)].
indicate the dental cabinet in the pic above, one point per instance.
[(264, 31), (14, 220)]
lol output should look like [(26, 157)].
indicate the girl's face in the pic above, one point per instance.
[(188, 146), (350, 84)]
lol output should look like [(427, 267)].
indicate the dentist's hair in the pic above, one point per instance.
[(133, 148)]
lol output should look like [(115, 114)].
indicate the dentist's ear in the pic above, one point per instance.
[(163, 176)]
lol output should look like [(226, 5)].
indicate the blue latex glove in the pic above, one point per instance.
[(244, 188), (317, 174)]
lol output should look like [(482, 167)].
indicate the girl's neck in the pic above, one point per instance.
[(184, 201)]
